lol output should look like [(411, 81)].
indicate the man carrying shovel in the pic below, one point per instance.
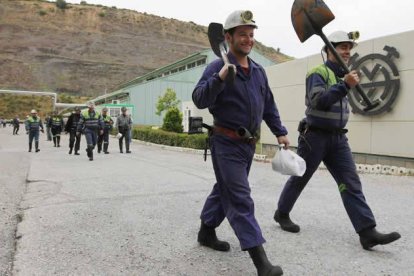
[(322, 138), (238, 101)]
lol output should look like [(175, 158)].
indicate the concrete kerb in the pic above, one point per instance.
[(361, 168)]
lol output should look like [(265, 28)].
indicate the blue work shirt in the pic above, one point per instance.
[(245, 103), (329, 101)]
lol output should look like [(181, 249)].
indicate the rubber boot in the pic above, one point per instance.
[(106, 148), (30, 147), (90, 153), (70, 150), (120, 146), (37, 146), (58, 141), (127, 147), (262, 264), (76, 152), (99, 148), (285, 222), (371, 237), (207, 237)]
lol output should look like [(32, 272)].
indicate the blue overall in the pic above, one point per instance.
[(245, 103), (325, 140), (91, 124), (33, 125)]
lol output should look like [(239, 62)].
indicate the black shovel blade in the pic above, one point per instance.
[(309, 17), (216, 37)]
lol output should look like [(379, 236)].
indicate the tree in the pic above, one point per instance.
[(61, 4), (173, 120), (166, 102)]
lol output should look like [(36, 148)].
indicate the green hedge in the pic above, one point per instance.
[(158, 136)]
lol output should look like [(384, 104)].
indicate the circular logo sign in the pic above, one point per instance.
[(380, 81)]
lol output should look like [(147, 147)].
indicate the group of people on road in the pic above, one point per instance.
[(239, 105), (96, 128)]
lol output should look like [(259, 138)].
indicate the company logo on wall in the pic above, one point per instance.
[(379, 79)]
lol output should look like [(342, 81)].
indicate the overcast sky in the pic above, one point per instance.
[(372, 18)]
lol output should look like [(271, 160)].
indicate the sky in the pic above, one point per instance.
[(372, 18)]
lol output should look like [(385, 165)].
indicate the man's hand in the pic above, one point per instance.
[(225, 70), (352, 79), (78, 133), (283, 140), (101, 132), (27, 132), (42, 131)]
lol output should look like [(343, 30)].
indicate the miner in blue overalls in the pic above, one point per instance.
[(104, 137), (91, 124), (322, 138), (238, 109), (33, 124)]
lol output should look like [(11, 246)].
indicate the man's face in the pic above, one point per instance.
[(344, 51), (242, 40)]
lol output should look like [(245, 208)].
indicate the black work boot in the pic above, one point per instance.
[(58, 141), (37, 146), (30, 147), (371, 237), (70, 151), (285, 222), (90, 153), (262, 264), (106, 148), (207, 237), (120, 146), (99, 148), (54, 141), (76, 152)]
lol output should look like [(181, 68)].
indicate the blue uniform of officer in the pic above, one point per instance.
[(238, 110), (91, 124), (33, 124), (323, 139)]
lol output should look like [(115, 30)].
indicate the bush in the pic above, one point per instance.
[(61, 4), (83, 3), (102, 14), (42, 12), (158, 136), (173, 120)]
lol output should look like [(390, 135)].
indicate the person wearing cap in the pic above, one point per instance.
[(104, 137), (33, 124), (124, 124), (71, 128), (56, 125), (322, 138), (90, 124), (238, 108)]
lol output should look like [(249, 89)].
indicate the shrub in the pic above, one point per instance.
[(173, 120), (83, 3), (102, 14), (42, 12), (159, 136), (61, 4)]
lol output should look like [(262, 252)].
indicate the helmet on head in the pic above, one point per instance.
[(123, 108), (33, 111), (91, 104), (239, 18), (340, 36), (104, 109)]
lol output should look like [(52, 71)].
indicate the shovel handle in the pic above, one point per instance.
[(231, 74)]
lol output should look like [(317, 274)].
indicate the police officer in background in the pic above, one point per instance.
[(56, 125), (33, 124), (323, 139), (91, 124), (104, 137), (238, 110), (71, 128), (124, 124)]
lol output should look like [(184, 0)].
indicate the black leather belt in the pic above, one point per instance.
[(328, 130)]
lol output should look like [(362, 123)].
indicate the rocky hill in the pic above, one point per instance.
[(89, 49)]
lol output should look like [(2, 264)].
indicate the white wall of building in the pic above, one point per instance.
[(389, 134)]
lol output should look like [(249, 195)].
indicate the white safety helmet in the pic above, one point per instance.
[(91, 104), (33, 111), (239, 18), (342, 36)]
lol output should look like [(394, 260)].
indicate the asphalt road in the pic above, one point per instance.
[(138, 214)]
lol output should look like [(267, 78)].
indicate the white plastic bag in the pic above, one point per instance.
[(119, 135), (289, 163)]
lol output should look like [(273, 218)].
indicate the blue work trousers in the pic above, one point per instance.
[(230, 196), (33, 134), (333, 149), (91, 136)]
